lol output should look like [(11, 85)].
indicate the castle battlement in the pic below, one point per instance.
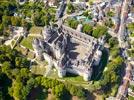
[(69, 50), (86, 39)]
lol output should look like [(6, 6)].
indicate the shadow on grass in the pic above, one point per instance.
[(98, 70), (71, 75)]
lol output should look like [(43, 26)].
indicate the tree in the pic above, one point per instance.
[(46, 20), (38, 80), (87, 14), (15, 72), (90, 2), (110, 13), (17, 81), (5, 83), (1, 98), (6, 68), (24, 73), (73, 23), (18, 61), (6, 21), (112, 76), (99, 31), (25, 91), (31, 82), (87, 29), (40, 20), (25, 24), (114, 52), (1, 29), (16, 21), (70, 8), (59, 90), (80, 92), (109, 23), (113, 42), (17, 86), (131, 27)]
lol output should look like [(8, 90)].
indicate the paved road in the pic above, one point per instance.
[(121, 36)]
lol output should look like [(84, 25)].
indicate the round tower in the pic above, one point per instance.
[(35, 45), (37, 49), (60, 47), (79, 27), (87, 75), (97, 57), (61, 72), (58, 51), (47, 32)]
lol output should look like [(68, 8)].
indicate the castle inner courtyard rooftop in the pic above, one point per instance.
[(77, 50), (69, 50)]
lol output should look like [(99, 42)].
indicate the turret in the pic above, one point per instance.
[(79, 27), (58, 51), (60, 47), (47, 32), (35, 45), (87, 75), (37, 49), (97, 57), (61, 72)]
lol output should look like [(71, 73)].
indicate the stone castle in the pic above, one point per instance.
[(69, 50)]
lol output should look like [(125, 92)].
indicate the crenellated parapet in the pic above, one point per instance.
[(69, 50)]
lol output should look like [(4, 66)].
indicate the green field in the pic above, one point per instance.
[(40, 68), (27, 42), (37, 69), (35, 30), (130, 98), (70, 78)]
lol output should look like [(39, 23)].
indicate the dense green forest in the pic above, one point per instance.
[(17, 82), (27, 15)]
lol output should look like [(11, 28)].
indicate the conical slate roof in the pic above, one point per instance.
[(36, 41), (47, 31)]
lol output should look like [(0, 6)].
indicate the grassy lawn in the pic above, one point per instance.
[(18, 48), (39, 70), (53, 74), (70, 78), (27, 42), (35, 30), (130, 98), (22, 50), (31, 55)]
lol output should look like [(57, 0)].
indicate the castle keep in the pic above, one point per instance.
[(69, 50)]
